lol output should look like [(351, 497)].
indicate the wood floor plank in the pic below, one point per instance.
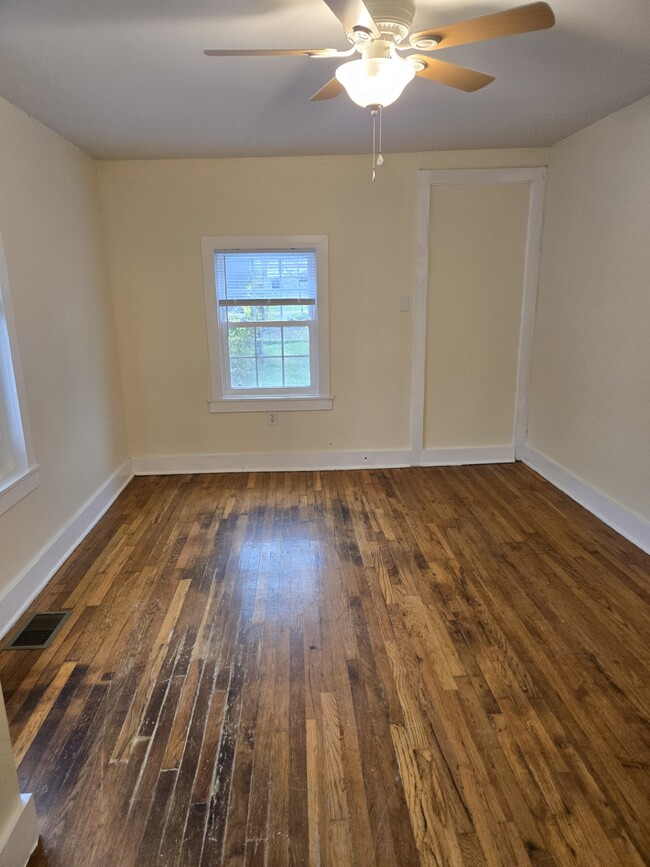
[(36, 719), (429, 666)]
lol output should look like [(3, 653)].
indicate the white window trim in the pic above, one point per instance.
[(221, 402), (18, 469)]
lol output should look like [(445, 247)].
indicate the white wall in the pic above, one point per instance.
[(590, 382), (155, 213), (51, 227)]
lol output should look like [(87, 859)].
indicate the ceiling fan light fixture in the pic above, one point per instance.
[(375, 80)]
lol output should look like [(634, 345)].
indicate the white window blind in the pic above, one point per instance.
[(266, 278)]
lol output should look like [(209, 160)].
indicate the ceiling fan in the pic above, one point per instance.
[(379, 31)]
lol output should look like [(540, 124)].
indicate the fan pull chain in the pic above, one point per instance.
[(377, 158), (373, 112), (380, 159)]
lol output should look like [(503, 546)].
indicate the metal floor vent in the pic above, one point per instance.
[(40, 631)]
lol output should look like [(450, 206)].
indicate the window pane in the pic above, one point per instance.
[(269, 341), (296, 373), (237, 314), (258, 313), (241, 341), (271, 313), (297, 312), (242, 373), (296, 340), (269, 371)]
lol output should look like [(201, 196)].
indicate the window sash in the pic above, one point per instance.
[(231, 391), (254, 297)]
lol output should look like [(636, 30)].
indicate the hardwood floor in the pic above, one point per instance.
[(420, 666)]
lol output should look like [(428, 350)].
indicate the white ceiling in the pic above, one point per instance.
[(128, 79)]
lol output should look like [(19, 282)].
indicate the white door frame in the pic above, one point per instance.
[(534, 177)]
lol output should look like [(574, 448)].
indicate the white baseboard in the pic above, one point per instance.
[(475, 455), (155, 465), (625, 522), (269, 461), (22, 836), (28, 585)]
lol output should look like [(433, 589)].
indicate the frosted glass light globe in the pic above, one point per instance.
[(375, 80)]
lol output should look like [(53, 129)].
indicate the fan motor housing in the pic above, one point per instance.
[(393, 19)]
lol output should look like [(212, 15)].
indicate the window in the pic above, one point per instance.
[(266, 303), (18, 475)]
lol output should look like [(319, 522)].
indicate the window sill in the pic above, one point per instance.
[(270, 404), (16, 485)]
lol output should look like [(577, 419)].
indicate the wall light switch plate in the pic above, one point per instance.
[(272, 418), (404, 303)]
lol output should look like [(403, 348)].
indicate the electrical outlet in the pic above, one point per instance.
[(272, 418)]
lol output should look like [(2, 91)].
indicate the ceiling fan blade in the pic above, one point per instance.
[(522, 19), (328, 91), (353, 13), (272, 52), (450, 74)]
